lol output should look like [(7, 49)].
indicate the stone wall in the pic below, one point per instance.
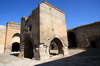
[(86, 36), (9, 34), (12, 35), (2, 38)]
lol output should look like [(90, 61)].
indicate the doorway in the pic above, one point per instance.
[(93, 44), (72, 40), (55, 47), (28, 49), (15, 47)]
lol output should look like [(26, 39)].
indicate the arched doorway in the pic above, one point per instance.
[(72, 40), (55, 47), (93, 44), (15, 47), (28, 49), (15, 42)]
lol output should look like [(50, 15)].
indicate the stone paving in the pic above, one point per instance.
[(81, 58), (10, 60)]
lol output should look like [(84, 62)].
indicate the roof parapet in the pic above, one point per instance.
[(53, 6)]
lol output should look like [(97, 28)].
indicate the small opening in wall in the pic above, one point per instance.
[(15, 47), (30, 28), (93, 44)]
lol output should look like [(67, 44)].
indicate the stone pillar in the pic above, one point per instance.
[(44, 52), (65, 51), (36, 54)]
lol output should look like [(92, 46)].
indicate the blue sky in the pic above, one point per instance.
[(78, 12)]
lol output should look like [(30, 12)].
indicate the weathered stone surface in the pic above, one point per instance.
[(86, 36), (44, 25), (2, 39), (9, 34)]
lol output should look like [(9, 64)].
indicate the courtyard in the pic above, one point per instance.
[(77, 57)]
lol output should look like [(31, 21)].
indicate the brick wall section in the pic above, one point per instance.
[(12, 28)]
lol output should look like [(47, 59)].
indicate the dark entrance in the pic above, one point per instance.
[(93, 44), (28, 49), (55, 47), (15, 47), (72, 40)]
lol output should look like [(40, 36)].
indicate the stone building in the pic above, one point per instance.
[(43, 33), (86, 36), (12, 37)]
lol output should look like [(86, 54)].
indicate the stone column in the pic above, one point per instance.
[(44, 52), (65, 51)]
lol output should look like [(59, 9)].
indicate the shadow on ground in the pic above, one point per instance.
[(15, 54), (90, 57)]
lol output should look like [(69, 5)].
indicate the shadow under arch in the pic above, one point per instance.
[(72, 40), (15, 47), (55, 47), (28, 49), (16, 34)]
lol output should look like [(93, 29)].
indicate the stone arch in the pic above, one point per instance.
[(16, 38), (72, 40), (16, 34), (28, 48), (56, 46), (52, 37), (93, 42), (15, 42)]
